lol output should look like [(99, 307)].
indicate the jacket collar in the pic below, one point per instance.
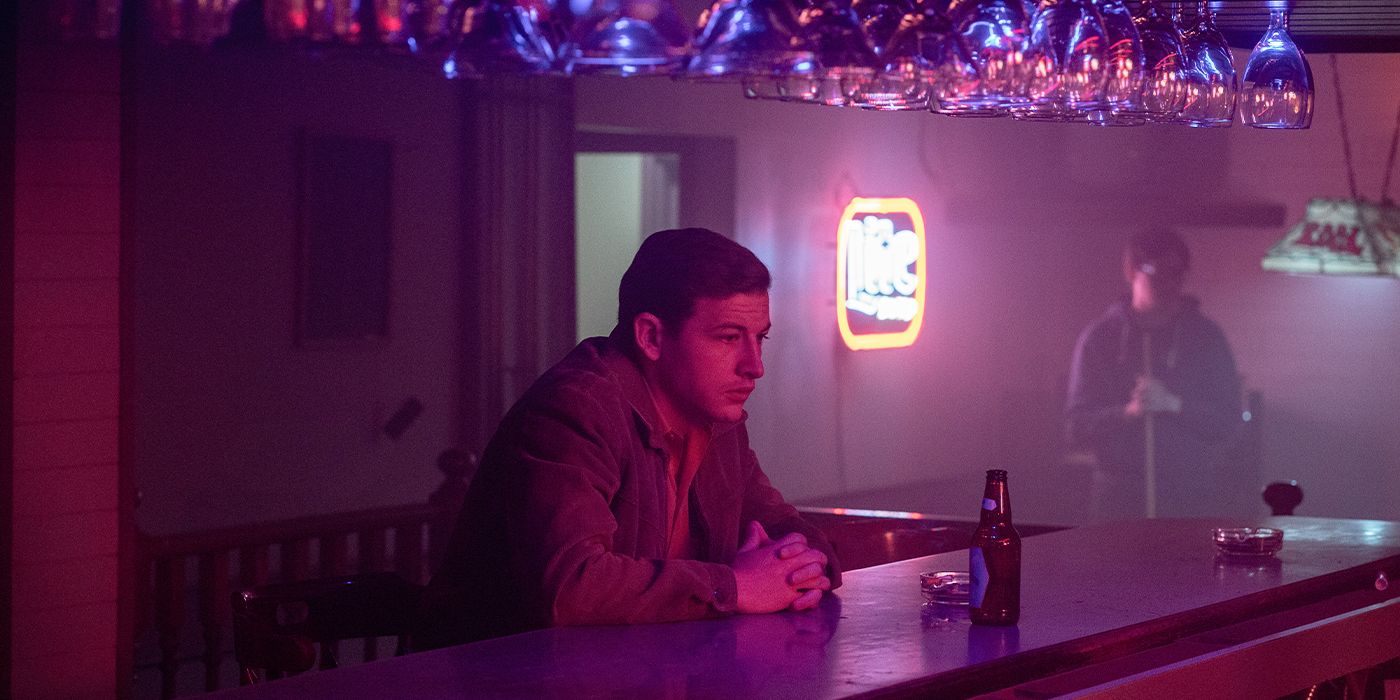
[(635, 390)]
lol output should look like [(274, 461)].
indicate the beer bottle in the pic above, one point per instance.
[(994, 559)]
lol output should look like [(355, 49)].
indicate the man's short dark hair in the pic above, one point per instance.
[(1155, 246), (676, 267)]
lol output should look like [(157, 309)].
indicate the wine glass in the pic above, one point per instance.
[(1163, 91), (993, 32), (627, 37), (79, 20), (495, 36), (1278, 85), (1126, 69), (921, 50), (845, 62), (1211, 84), (1065, 62), (880, 19), (420, 27), (749, 40)]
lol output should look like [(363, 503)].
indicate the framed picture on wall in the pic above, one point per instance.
[(344, 234)]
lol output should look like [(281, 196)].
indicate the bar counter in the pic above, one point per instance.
[(1091, 596)]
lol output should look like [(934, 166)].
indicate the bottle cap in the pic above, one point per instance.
[(996, 473)]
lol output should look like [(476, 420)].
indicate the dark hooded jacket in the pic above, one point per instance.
[(1190, 355)]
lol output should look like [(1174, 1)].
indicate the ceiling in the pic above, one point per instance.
[(1317, 26)]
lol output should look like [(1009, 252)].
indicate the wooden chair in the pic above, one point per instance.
[(277, 627), (1283, 497)]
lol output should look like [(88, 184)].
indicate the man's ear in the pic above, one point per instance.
[(646, 331)]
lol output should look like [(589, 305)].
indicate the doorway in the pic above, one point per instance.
[(627, 186), (619, 198)]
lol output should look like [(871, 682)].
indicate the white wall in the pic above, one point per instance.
[(1026, 223), (234, 423), (608, 231)]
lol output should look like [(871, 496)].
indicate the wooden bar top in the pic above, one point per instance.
[(1088, 594)]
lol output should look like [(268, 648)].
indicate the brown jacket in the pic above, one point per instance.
[(565, 523)]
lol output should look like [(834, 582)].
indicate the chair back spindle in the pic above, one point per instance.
[(191, 576)]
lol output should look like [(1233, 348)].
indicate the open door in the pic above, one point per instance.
[(627, 186)]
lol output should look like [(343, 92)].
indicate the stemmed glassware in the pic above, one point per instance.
[(494, 37), (1163, 91), (994, 33), (1086, 61), (421, 26), (627, 37), (752, 40), (174, 20), (845, 61), (1211, 85), (923, 58), (880, 19), (905, 79), (1126, 70), (1065, 62), (78, 20), (1278, 85)]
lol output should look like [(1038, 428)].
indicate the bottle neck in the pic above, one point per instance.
[(996, 502), (1278, 19)]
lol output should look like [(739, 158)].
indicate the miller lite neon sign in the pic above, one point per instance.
[(880, 273)]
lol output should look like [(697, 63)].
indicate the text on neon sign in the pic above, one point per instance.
[(879, 282)]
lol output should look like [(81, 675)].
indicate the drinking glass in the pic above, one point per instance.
[(994, 33), (1278, 86), (1163, 91), (1065, 62), (880, 19), (332, 21), (845, 62), (627, 37), (1211, 84), (422, 26), (920, 52), (748, 40), (495, 36), (1126, 70), (794, 88), (81, 20), (185, 21)]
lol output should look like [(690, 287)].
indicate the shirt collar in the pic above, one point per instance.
[(638, 394)]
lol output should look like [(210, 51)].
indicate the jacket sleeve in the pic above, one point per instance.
[(765, 504), (1210, 403), (1092, 409), (566, 474)]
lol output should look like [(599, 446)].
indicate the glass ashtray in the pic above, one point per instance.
[(1248, 542), (945, 587)]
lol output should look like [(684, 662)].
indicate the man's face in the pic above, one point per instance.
[(708, 366), (1162, 279)]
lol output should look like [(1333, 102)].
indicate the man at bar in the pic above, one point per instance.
[(1153, 387), (621, 487)]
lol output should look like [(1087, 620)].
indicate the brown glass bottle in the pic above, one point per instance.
[(994, 559)]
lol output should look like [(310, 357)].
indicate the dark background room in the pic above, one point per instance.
[(191, 361)]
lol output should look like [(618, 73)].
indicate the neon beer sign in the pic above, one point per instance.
[(880, 273)]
